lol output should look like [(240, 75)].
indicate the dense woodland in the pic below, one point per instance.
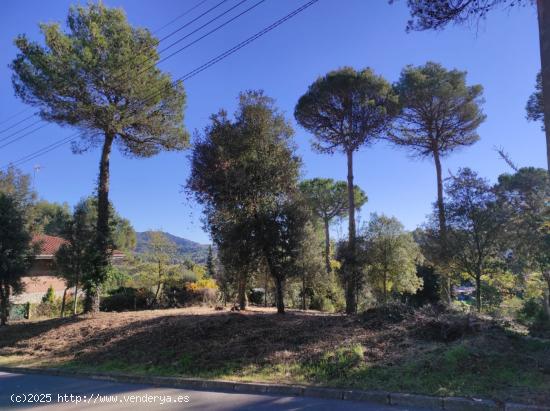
[(270, 229)]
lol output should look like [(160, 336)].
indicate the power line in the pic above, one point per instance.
[(24, 135), (43, 150), (185, 77), (14, 115), (143, 70), (20, 130), (16, 124), (204, 35), (230, 51), (192, 21), (164, 38), (185, 13)]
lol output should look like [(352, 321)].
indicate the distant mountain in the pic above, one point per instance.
[(186, 248)]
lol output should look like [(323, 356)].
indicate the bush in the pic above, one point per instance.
[(321, 303), (127, 299), (256, 296), (533, 315)]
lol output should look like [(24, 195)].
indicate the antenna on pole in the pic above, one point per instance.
[(36, 169)]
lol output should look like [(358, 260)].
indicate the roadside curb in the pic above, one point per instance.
[(379, 397)]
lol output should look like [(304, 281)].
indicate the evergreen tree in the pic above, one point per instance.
[(346, 110), (15, 252), (92, 77), (439, 114), (329, 199)]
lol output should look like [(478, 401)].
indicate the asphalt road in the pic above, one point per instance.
[(98, 395)]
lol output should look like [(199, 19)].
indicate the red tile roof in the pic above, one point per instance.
[(48, 244)]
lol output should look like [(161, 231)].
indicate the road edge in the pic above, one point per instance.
[(379, 397)]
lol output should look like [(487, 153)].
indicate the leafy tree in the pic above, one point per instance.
[(74, 259), (329, 199), (439, 115), (524, 195), (392, 256), (161, 254), (50, 218), (240, 169), (430, 14), (283, 231), (345, 110), (18, 186), (122, 235), (475, 226), (210, 266), (314, 281), (92, 77), (15, 252)]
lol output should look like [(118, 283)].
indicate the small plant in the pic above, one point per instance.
[(49, 297)]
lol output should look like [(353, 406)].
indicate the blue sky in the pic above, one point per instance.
[(501, 54)]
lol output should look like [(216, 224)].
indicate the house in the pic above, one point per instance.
[(42, 273)]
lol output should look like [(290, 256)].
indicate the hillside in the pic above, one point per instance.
[(186, 248), (427, 351)]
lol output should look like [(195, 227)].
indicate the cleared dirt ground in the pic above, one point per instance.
[(429, 351)]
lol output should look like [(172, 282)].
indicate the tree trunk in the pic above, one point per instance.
[(242, 291), (351, 274), (385, 288), (4, 304), (63, 301), (155, 301), (546, 275), (442, 227), (304, 290), (327, 246), (103, 232), (75, 302), (543, 7), (478, 292), (280, 298), (265, 289)]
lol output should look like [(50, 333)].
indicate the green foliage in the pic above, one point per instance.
[(91, 77), (15, 251), (340, 363), (344, 110), (74, 259), (475, 223), (210, 266), (392, 256), (535, 104), (49, 297), (429, 14), (325, 109), (328, 199), (241, 172), (448, 124), (17, 185), (50, 218)]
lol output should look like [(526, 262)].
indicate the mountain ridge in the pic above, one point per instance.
[(187, 249)]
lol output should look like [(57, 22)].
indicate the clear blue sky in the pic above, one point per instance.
[(501, 54)]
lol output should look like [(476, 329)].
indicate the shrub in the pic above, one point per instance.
[(321, 303), (256, 296), (49, 297), (127, 299), (533, 315)]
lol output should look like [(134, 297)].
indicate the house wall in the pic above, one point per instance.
[(40, 277)]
